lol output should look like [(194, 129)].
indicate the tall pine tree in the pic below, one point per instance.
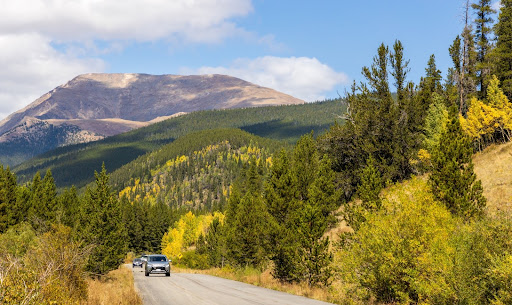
[(452, 179), (483, 31), (301, 197), (101, 224), (9, 215), (502, 54)]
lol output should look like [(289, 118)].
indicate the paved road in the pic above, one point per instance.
[(195, 289)]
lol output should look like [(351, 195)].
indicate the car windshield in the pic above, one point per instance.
[(157, 259), (137, 260)]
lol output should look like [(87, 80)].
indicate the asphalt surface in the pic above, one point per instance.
[(194, 289)]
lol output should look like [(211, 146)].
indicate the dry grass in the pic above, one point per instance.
[(493, 167), (264, 279), (116, 288)]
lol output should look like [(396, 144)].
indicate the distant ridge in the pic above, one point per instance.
[(95, 106)]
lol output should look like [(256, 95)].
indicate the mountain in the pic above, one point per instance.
[(75, 164), (94, 106)]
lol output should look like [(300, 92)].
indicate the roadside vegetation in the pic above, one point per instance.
[(389, 206), (114, 288)]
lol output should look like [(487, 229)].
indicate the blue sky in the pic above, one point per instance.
[(309, 49)]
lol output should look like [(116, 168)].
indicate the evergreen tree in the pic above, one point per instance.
[(377, 125), (43, 201), (435, 123), (100, 224), (35, 193), (502, 54), (428, 85), (455, 73), (48, 198), (452, 178), (247, 238), (469, 61), (400, 69), (408, 118), (301, 197), (313, 257), (68, 207), (215, 244), (134, 225), (313, 220), (21, 211), (282, 201), (464, 57), (9, 215), (368, 192), (483, 30), (370, 186)]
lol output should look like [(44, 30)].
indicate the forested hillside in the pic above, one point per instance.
[(73, 165), (196, 171), (405, 175)]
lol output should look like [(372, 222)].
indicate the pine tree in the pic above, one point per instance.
[(21, 211), (377, 125), (301, 197), (35, 193), (314, 219), (407, 127), (377, 74), (483, 30), (435, 123), (9, 215), (464, 58), (282, 201), (100, 224), (400, 69), (215, 244), (43, 201), (455, 73), (502, 54), (247, 237), (452, 178), (469, 61), (68, 207), (48, 198), (428, 85), (368, 192), (370, 186)]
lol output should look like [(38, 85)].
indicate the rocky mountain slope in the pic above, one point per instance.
[(95, 106)]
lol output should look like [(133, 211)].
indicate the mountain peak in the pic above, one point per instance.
[(131, 100)]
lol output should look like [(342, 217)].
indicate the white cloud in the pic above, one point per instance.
[(302, 77), (496, 6), (30, 30), (31, 67), (141, 20)]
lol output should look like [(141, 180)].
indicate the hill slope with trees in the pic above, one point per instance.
[(73, 165)]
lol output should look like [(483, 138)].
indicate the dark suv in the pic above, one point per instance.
[(157, 263)]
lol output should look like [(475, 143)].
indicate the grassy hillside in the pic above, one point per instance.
[(74, 165), (493, 167)]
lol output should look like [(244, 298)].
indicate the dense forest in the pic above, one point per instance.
[(396, 170), (73, 164)]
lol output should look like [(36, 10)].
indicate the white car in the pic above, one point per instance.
[(157, 263)]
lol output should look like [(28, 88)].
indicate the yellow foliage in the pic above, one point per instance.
[(185, 232), (484, 119), (424, 155)]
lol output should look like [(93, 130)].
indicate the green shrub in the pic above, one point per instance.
[(193, 260)]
